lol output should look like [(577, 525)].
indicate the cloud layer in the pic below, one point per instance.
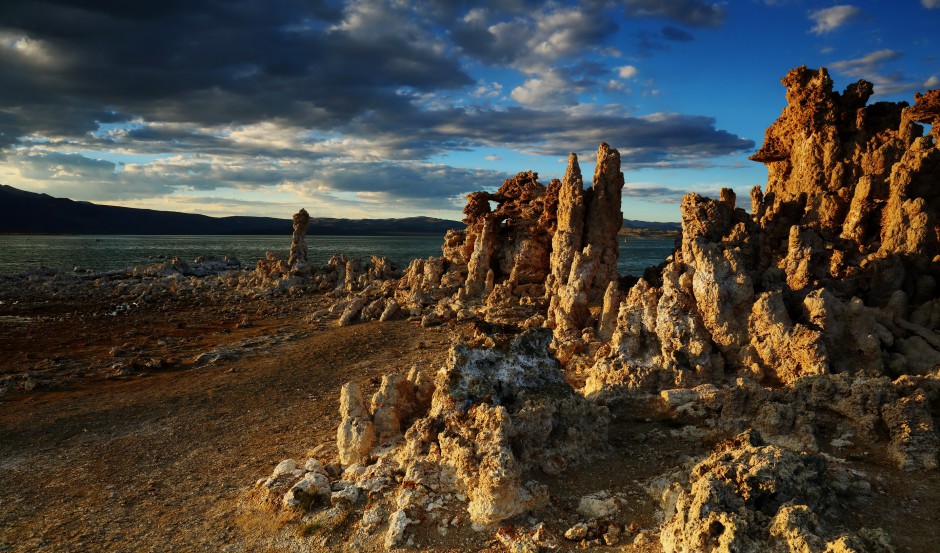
[(124, 100)]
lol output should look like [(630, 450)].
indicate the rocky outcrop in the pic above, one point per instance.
[(808, 328), (515, 259), (469, 438), (356, 433), (604, 219), (298, 245), (824, 276), (750, 496), (569, 231), (584, 250)]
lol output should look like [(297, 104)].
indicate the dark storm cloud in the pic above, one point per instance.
[(642, 140), (651, 192), (344, 98), (204, 62), (493, 43)]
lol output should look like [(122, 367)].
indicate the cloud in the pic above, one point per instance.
[(80, 177), (649, 42), (693, 13), (871, 67), (627, 72), (660, 194), (869, 63), (930, 4), (176, 63), (349, 100), (932, 82), (646, 140), (550, 89), (830, 19)]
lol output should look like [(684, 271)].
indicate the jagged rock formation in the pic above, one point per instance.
[(749, 496), (529, 252), (604, 219), (298, 244), (468, 439), (836, 269), (814, 319)]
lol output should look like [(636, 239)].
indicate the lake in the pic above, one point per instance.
[(102, 253)]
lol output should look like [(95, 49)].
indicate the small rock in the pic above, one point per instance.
[(286, 466), (597, 506), (577, 532)]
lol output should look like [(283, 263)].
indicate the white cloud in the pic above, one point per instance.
[(930, 4), (932, 82), (829, 19), (869, 63), (487, 90), (549, 89), (627, 72), (871, 67)]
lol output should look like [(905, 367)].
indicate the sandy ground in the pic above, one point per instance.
[(156, 462)]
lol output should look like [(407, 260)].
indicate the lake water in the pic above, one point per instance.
[(101, 253)]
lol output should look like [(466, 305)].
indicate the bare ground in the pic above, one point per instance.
[(158, 459), (157, 463)]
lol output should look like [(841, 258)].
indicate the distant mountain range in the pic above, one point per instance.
[(23, 212), (32, 213), (650, 225)]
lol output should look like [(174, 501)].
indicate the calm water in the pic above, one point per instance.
[(101, 253)]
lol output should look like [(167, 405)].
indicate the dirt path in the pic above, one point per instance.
[(157, 463)]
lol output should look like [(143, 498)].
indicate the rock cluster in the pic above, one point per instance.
[(814, 319), (750, 496), (464, 443), (529, 252), (834, 271)]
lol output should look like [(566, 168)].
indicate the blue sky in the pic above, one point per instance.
[(395, 108)]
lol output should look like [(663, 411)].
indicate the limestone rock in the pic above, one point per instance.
[(571, 304), (568, 237), (914, 440), (298, 244), (356, 433), (839, 254), (487, 421), (392, 404), (611, 308), (749, 496), (603, 216), (352, 310)]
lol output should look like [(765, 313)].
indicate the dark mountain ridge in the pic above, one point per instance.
[(23, 212)]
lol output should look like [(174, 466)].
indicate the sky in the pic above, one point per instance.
[(373, 109)]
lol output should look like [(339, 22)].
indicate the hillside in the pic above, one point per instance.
[(32, 213)]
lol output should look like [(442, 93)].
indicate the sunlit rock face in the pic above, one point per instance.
[(834, 270), (469, 438), (529, 253)]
